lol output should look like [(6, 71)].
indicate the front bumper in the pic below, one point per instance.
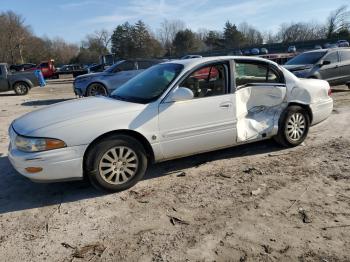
[(80, 88), (57, 165)]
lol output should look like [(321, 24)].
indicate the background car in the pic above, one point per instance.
[(73, 69), (48, 69), (20, 82), (264, 51), (292, 49), (191, 56), (105, 82), (343, 43), (318, 47), (255, 51), (332, 65), (23, 67)]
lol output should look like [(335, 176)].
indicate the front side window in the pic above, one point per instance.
[(332, 57), (149, 85), (250, 73), (344, 55), (207, 81)]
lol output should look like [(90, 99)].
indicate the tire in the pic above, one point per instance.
[(116, 163), (21, 88), (293, 126), (96, 89)]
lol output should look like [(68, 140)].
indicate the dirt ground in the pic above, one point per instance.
[(256, 202)]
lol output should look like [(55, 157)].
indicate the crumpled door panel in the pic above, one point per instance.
[(257, 110)]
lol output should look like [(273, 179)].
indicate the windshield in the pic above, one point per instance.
[(306, 58), (113, 67), (148, 85)]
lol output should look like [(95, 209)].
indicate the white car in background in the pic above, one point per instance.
[(170, 110)]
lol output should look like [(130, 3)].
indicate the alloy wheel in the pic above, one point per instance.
[(296, 126), (118, 165)]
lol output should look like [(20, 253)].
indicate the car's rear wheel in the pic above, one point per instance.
[(21, 88), (293, 126), (96, 89), (116, 163)]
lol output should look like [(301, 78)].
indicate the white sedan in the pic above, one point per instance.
[(171, 110)]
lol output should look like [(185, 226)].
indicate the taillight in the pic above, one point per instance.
[(330, 92)]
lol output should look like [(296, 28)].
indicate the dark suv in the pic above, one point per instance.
[(332, 65)]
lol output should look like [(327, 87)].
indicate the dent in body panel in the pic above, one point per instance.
[(258, 111)]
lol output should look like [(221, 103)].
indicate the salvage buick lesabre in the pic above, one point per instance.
[(171, 110)]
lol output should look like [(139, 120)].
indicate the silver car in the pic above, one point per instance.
[(104, 83)]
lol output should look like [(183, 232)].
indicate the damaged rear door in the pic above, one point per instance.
[(260, 95)]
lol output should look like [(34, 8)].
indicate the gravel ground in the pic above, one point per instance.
[(256, 202)]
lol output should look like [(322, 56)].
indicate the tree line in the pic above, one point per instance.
[(18, 44)]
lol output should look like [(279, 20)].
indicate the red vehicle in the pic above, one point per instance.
[(48, 69)]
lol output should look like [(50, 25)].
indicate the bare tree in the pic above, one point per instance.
[(104, 37), (338, 20), (251, 35), (294, 32), (167, 32), (13, 34)]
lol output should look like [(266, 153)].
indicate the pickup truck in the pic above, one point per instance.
[(20, 82)]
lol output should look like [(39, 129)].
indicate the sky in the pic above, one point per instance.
[(73, 20)]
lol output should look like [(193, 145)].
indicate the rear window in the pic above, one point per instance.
[(344, 55)]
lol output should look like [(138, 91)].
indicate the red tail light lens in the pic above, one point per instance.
[(329, 91)]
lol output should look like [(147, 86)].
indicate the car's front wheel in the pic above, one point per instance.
[(116, 163), (96, 89), (293, 126), (21, 88)]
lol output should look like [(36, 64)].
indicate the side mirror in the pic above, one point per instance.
[(325, 63), (180, 94)]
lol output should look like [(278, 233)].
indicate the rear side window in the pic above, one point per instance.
[(332, 57), (145, 64), (344, 55), (249, 73), (127, 66)]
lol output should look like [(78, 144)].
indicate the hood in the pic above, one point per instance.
[(92, 75), (84, 109), (297, 67)]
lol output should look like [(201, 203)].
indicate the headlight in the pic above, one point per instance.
[(32, 144)]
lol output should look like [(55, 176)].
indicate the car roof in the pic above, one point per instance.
[(198, 61), (327, 50)]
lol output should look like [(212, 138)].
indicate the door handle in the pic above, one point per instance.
[(226, 105)]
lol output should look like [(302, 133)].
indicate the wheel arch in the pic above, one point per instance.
[(96, 82), (131, 133), (26, 82), (304, 106)]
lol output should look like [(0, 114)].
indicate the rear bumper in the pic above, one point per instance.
[(57, 165), (321, 110)]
